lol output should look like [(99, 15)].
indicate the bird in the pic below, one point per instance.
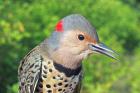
[(55, 65)]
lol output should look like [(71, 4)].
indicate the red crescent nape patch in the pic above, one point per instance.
[(59, 26)]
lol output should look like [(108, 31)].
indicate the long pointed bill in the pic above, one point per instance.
[(103, 49)]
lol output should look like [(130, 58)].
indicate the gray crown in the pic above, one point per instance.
[(76, 21), (71, 22)]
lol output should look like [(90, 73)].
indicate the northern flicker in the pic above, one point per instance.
[(55, 65)]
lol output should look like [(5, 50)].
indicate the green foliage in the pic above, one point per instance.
[(24, 24)]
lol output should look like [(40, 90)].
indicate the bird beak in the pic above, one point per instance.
[(103, 49)]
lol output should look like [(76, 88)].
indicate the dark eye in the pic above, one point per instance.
[(81, 37)]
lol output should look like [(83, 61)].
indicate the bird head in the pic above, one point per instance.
[(76, 38)]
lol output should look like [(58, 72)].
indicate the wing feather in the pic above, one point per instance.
[(29, 71)]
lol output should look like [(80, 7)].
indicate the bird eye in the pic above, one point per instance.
[(81, 37)]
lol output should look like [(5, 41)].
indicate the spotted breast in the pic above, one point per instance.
[(40, 74)]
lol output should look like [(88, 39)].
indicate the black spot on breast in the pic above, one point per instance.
[(50, 70), (59, 84), (60, 89), (49, 91), (54, 85), (64, 90), (66, 80), (49, 62), (48, 86), (66, 85), (54, 77)]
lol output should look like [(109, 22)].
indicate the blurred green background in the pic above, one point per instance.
[(25, 23)]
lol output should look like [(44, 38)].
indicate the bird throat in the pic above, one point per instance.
[(67, 60)]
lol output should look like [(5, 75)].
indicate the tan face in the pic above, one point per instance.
[(80, 43), (73, 48), (77, 42)]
